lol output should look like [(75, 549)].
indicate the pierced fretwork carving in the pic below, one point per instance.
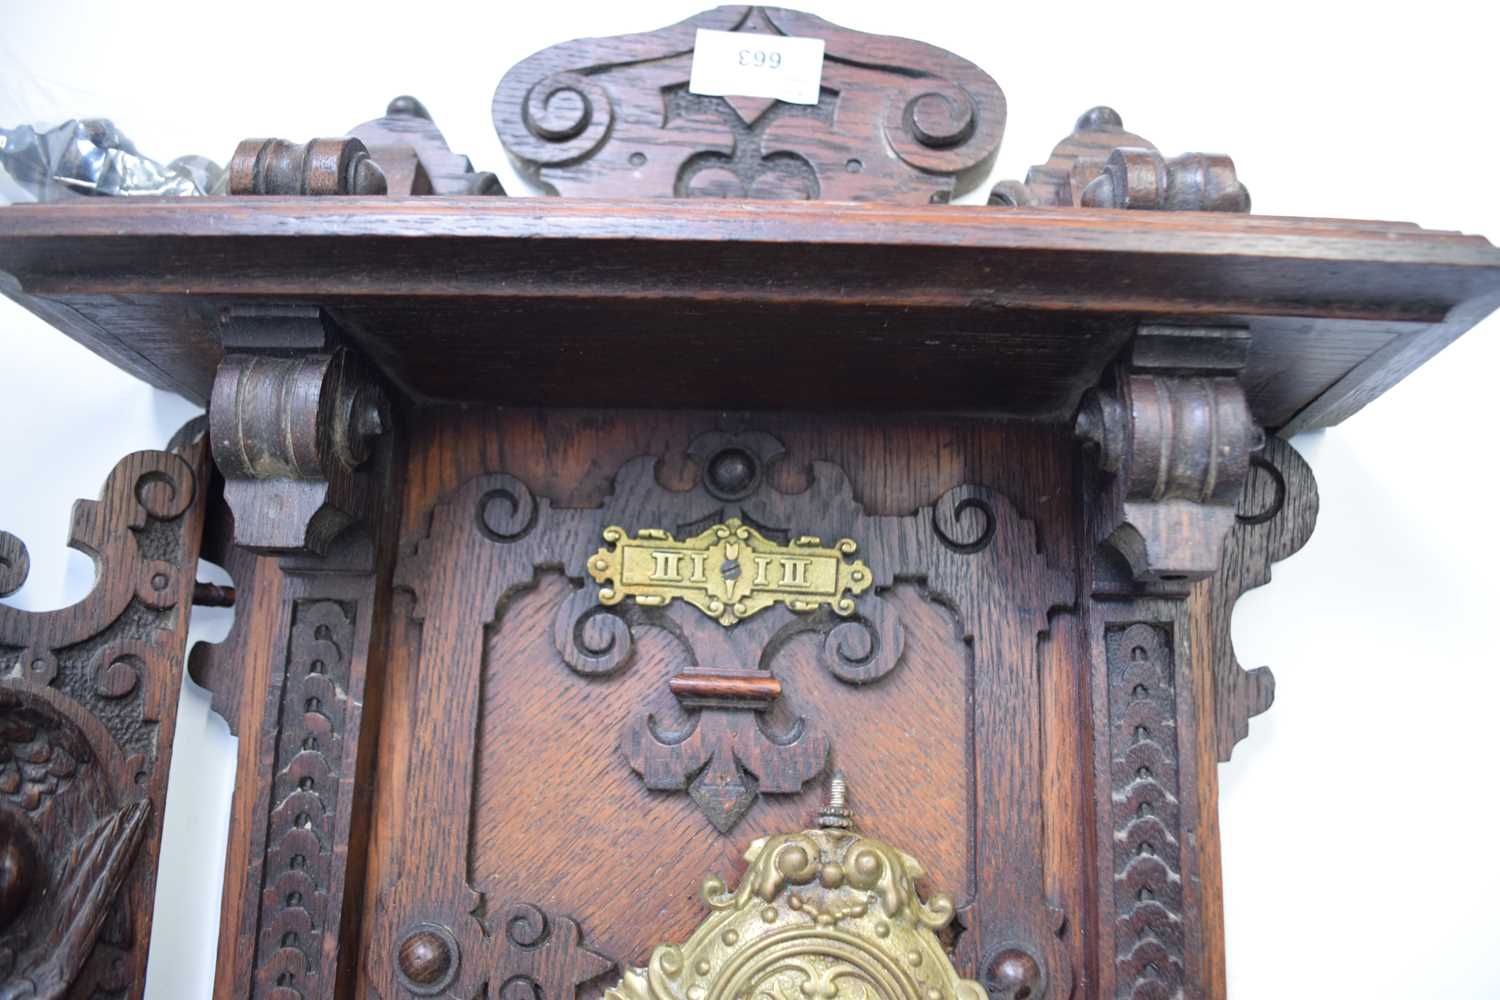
[(1145, 812), (88, 699), (897, 120), (294, 418), (1103, 166)]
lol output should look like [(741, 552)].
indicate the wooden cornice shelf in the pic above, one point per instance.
[(851, 306)]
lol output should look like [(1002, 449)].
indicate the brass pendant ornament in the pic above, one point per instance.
[(825, 914), (728, 572)]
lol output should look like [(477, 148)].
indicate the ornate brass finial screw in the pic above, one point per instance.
[(836, 815), (825, 914)]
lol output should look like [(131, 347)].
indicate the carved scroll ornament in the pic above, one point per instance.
[(296, 419), (1100, 165), (897, 120)]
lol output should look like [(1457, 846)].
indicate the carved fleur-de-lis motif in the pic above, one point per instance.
[(713, 760)]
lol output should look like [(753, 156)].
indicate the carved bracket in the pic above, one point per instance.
[(1275, 518), (293, 419), (1175, 436)]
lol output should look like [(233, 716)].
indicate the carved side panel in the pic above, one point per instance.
[(897, 120), (88, 700), (1145, 812)]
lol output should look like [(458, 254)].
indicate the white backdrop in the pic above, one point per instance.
[(1359, 818)]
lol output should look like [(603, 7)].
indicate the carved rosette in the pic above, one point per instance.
[(822, 913)]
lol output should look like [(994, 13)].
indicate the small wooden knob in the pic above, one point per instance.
[(731, 472), (1014, 974), (425, 958)]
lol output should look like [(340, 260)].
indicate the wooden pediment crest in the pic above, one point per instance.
[(896, 120)]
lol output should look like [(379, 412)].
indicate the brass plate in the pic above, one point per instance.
[(728, 572)]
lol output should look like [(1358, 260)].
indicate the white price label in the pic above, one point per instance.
[(747, 64)]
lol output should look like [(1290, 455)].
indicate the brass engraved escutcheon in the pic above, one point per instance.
[(825, 914), (729, 572)]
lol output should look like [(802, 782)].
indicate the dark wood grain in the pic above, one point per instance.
[(897, 121), (462, 771), (1100, 165), (295, 419), (297, 679), (938, 307), (88, 707), (511, 685), (1275, 518), (414, 156)]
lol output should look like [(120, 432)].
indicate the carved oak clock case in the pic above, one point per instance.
[(738, 573)]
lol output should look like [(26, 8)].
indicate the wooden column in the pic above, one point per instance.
[(301, 434)]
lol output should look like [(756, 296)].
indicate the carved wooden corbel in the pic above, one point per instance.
[(1174, 437), (294, 418)]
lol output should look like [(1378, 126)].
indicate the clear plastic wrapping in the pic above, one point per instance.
[(85, 157)]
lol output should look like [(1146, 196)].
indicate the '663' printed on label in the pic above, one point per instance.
[(747, 64)]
